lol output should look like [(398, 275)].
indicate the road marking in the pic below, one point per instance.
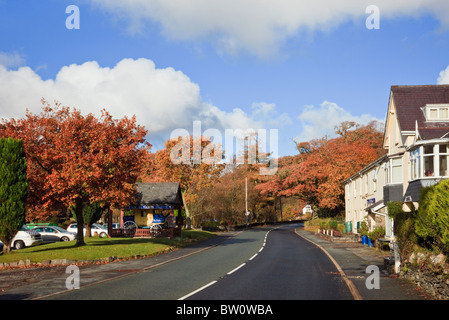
[(253, 256), (197, 290), (352, 288), (234, 270), (230, 272)]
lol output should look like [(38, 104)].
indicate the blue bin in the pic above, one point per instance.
[(364, 240)]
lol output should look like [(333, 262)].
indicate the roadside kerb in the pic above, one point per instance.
[(354, 259), (352, 288)]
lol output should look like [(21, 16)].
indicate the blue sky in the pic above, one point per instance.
[(289, 65)]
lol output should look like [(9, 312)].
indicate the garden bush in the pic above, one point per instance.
[(404, 227), (432, 221)]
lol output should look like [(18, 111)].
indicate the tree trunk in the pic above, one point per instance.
[(80, 223), (88, 231), (188, 220), (7, 247)]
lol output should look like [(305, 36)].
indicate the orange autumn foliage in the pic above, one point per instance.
[(75, 159), (316, 174)]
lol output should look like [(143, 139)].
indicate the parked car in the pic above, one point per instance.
[(41, 224), (102, 232), (114, 226), (54, 234), (25, 237)]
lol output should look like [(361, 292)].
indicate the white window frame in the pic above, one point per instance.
[(436, 107)]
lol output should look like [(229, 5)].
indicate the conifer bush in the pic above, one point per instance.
[(13, 189), (432, 222)]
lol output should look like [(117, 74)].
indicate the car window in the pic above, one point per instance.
[(38, 229)]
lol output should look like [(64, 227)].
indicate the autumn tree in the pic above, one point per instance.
[(92, 212), (194, 163), (75, 160), (13, 189), (316, 174)]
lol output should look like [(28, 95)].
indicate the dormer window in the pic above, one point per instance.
[(437, 112)]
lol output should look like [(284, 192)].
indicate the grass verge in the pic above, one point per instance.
[(102, 248)]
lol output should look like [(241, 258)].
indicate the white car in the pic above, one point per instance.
[(26, 238), (102, 232), (54, 234)]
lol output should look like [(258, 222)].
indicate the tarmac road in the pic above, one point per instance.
[(287, 268), (260, 264), (281, 262)]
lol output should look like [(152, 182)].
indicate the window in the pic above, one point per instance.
[(365, 178), (375, 179), (443, 159), (437, 112), (355, 188), (415, 164), (434, 160), (387, 173), (433, 113), (396, 170), (429, 169)]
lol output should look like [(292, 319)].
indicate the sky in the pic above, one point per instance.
[(298, 67)]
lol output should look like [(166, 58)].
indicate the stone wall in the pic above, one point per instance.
[(429, 272)]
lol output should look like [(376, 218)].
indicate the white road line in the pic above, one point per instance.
[(253, 256), (234, 270), (197, 290), (230, 272)]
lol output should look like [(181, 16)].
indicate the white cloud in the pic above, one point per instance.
[(258, 26), (316, 122), (161, 99), (11, 60), (444, 77)]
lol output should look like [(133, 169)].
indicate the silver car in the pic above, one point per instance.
[(55, 234)]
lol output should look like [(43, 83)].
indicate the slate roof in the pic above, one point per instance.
[(159, 193), (409, 101)]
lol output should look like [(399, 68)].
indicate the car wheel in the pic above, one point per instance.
[(103, 235), (19, 244), (65, 239)]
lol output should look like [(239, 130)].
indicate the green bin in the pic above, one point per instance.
[(348, 226)]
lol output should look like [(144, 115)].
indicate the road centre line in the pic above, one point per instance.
[(197, 290), (230, 272), (235, 269)]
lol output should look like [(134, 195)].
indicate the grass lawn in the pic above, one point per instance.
[(98, 248)]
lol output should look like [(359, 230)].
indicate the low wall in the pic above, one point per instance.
[(337, 236), (429, 272)]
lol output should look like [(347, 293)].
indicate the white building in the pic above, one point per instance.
[(416, 139)]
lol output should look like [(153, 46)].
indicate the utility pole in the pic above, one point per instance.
[(246, 195), (246, 201)]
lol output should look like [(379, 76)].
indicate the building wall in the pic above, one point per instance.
[(143, 218), (364, 187)]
